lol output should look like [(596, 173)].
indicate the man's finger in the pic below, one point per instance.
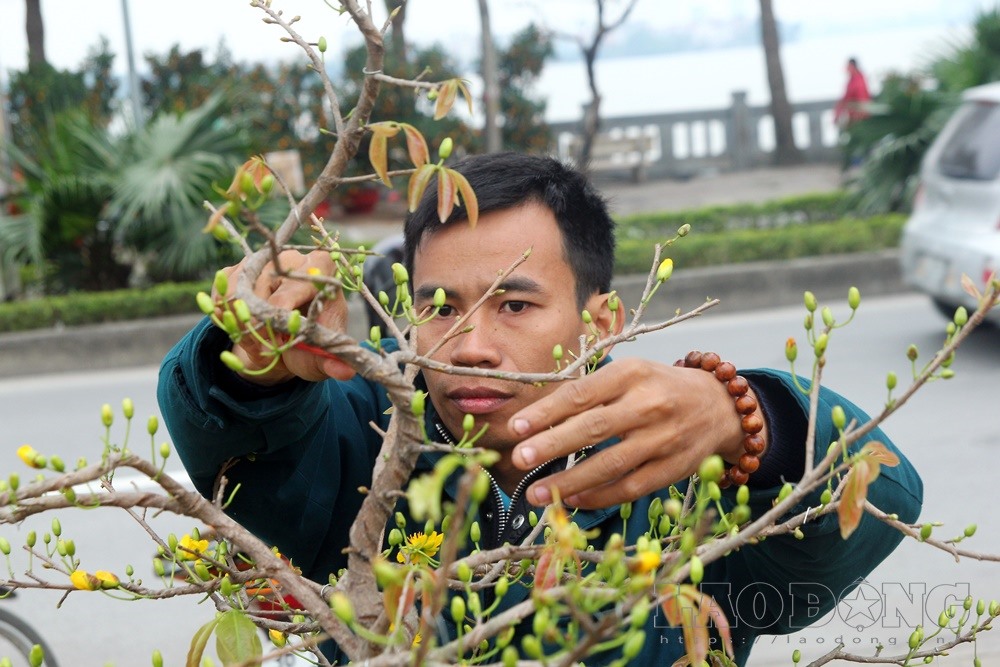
[(570, 398), (640, 482), (610, 464), (588, 428)]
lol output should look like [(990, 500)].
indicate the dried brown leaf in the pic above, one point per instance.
[(418, 183), (712, 611), (447, 194), (416, 145), (878, 452), (469, 199), (466, 94), (378, 155), (445, 99), (852, 501), (970, 287)]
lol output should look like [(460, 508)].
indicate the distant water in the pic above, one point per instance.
[(814, 69)]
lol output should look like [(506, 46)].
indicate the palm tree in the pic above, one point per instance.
[(785, 150)]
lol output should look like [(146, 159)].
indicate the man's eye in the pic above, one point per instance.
[(446, 311), (515, 306)]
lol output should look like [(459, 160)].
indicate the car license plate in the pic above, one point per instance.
[(931, 271)]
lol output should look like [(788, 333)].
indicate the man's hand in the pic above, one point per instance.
[(288, 294), (668, 418)]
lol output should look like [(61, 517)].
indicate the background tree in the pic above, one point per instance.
[(589, 49), (520, 64), (35, 29), (785, 151), (491, 82)]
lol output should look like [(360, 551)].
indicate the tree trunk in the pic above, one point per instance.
[(592, 114), (785, 151), (491, 86), (397, 45), (36, 33)]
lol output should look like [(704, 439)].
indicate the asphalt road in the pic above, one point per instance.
[(950, 431)]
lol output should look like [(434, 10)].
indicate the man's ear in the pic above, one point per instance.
[(608, 314)]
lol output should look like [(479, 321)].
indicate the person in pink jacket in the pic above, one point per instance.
[(853, 106)]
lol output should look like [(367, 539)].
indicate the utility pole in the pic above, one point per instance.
[(133, 80)]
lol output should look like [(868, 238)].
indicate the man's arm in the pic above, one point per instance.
[(298, 450)]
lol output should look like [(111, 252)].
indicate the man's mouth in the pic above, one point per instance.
[(477, 400)]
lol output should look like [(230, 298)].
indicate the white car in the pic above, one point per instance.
[(955, 225)]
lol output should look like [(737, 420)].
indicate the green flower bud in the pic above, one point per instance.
[(654, 511), (31, 539), (712, 468), (786, 490), (697, 570), (532, 518), (342, 607), (827, 316), (810, 300), (688, 541), (853, 298), (740, 514), (994, 608), (164, 450), (266, 184), (468, 423), (925, 531), (475, 532), (510, 655), (791, 349), (14, 481), (914, 640), (970, 530), (4, 546), (321, 44), (625, 510), (36, 656), (613, 302), (980, 607), (439, 297), (950, 329), (639, 614), (665, 270), (586, 317), (107, 416), (417, 403), (69, 494), (798, 534), (673, 508), (221, 283), (684, 230), (480, 487), (961, 316), (56, 527), (743, 495), (399, 274), (839, 417), (826, 497), (444, 150), (890, 380), (242, 310), (383, 299), (400, 520), (714, 492), (947, 374), (821, 343), (808, 322), (128, 408), (557, 352), (457, 609), (912, 353), (967, 603), (633, 645), (464, 572), (229, 323), (796, 656), (129, 570), (205, 303), (474, 604), (942, 620), (395, 537), (61, 548), (231, 361), (532, 646)]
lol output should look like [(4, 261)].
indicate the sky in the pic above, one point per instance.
[(72, 27)]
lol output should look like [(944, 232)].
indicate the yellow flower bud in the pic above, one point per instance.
[(28, 455), (108, 579), (277, 637), (84, 581), (107, 416), (664, 271)]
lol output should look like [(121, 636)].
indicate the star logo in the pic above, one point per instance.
[(863, 606)]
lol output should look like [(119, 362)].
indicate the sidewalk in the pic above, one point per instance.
[(741, 287)]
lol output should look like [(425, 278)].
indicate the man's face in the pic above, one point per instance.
[(514, 331)]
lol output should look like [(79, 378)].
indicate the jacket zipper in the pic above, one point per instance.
[(495, 488)]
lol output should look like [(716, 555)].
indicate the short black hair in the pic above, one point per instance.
[(508, 180)]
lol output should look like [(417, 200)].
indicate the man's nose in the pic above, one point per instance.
[(478, 347)]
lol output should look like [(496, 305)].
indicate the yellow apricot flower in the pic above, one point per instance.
[(644, 561), (420, 548), (106, 579), (29, 455), (191, 549), (84, 581)]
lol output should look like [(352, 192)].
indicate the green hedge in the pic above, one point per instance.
[(750, 245), (800, 209), (95, 307), (634, 256)]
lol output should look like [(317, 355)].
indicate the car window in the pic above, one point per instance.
[(973, 149)]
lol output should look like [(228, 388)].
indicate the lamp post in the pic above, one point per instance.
[(133, 80)]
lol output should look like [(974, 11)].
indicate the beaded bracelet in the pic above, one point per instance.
[(746, 406)]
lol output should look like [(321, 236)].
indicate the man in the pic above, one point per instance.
[(303, 445)]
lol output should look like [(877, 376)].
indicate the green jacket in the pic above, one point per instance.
[(303, 450)]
